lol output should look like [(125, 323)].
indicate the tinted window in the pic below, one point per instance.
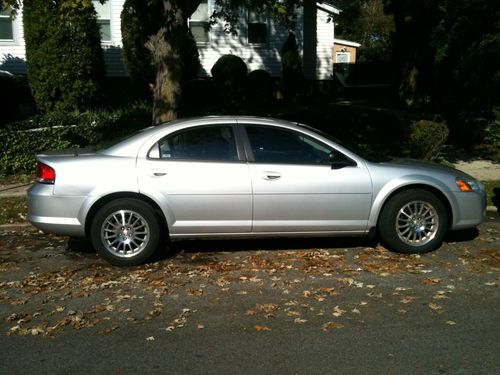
[(271, 145), (201, 143)]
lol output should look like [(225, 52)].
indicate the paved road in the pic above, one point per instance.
[(312, 306)]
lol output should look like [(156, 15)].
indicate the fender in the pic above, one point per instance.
[(381, 196)]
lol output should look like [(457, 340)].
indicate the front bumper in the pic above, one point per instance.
[(469, 209)]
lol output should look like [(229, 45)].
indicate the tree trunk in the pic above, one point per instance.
[(167, 88), (165, 47)]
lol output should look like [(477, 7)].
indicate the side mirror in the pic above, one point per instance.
[(340, 162)]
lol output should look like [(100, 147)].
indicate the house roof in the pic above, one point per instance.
[(328, 8), (346, 43)]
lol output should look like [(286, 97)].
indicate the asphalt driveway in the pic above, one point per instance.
[(306, 306)]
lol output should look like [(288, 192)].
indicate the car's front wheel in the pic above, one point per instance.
[(413, 221), (126, 232)]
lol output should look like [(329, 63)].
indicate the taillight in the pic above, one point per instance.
[(45, 174)]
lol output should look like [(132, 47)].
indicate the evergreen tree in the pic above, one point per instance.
[(292, 76), (63, 52)]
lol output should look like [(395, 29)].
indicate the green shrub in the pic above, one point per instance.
[(136, 26), (426, 139), (63, 52), (230, 74), (492, 130), (260, 87), (20, 141), (19, 148), (198, 95)]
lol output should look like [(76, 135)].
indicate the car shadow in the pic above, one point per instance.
[(83, 246), (462, 235), (311, 243), (80, 245)]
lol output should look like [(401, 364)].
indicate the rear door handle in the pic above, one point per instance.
[(270, 176)]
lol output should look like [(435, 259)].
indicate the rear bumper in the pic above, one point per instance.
[(55, 214)]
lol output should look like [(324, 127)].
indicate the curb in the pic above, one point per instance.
[(16, 226), (13, 195), (15, 190)]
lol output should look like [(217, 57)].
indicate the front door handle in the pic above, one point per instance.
[(158, 173), (270, 176)]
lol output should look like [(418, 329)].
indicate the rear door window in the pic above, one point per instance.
[(204, 143)]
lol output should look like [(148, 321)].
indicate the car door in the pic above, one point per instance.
[(296, 189), (200, 180)]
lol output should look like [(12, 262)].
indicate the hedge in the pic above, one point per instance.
[(22, 140)]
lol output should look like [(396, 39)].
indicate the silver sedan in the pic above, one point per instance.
[(237, 177)]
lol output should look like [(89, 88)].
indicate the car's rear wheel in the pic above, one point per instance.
[(413, 221), (126, 232)]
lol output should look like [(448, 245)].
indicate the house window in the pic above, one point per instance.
[(6, 25), (198, 23), (103, 11), (257, 27), (342, 58)]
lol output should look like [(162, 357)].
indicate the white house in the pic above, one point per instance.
[(258, 41)]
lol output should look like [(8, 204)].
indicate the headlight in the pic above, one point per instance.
[(468, 184)]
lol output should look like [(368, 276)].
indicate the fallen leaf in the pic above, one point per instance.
[(431, 281), (450, 322), (337, 311), (299, 320), (267, 307), (331, 325), (262, 328), (195, 292), (435, 307), (407, 299), (108, 330), (440, 295)]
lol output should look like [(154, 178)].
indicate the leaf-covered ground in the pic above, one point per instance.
[(325, 284), (13, 210)]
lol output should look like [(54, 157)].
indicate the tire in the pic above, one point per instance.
[(126, 232), (413, 221)]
